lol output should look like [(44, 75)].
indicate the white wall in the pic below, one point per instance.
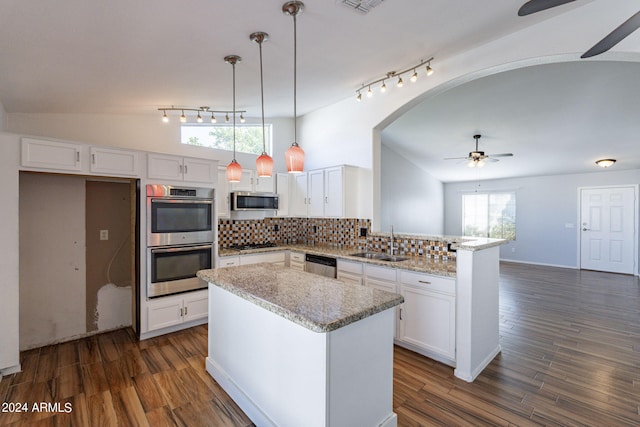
[(9, 279), (3, 118), (141, 132), (544, 205), (413, 198)]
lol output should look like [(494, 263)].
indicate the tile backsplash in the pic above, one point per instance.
[(340, 233)]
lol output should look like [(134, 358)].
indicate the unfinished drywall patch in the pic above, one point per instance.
[(52, 258), (114, 307)]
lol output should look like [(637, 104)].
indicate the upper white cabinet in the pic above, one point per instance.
[(282, 189), (250, 181), (222, 193), (65, 156), (329, 192), (176, 168), (114, 162)]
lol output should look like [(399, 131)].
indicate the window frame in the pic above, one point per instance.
[(490, 219)]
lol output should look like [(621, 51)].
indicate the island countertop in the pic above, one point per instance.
[(317, 303)]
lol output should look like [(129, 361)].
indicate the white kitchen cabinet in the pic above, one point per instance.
[(228, 261), (113, 162), (282, 189), (222, 193), (174, 310), (277, 258), (326, 193), (296, 261), (250, 181), (176, 168), (428, 314), (350, 272), (38, 153), (298, 202)]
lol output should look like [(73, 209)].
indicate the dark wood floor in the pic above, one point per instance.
[(570, 356)]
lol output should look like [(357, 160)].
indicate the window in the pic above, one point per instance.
[(489, 215), (248, 137)]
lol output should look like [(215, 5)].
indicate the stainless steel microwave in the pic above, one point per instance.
[(247, 201)]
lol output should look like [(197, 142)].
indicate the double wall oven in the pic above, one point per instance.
[(180, 238)]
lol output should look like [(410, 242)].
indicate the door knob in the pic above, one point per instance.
[(586, 229)]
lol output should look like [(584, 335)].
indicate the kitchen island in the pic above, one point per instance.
[(293, 348)]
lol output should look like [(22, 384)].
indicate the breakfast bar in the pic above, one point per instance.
[(293, 348)]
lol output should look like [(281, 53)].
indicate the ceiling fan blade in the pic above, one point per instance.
[(490, 159), (614, 37), (456, 158), (501, 155), (533, 6)]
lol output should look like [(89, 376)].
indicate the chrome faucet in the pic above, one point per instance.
[(391, 243)]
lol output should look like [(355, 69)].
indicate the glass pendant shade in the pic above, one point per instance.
[(234, 171), (264, 165), (294, 157)]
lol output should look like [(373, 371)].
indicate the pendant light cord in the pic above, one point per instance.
[(234, 111), (295, 60), (264, 147)]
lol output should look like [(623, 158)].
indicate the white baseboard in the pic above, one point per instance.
[(164, 331), (10, 370), (471, 376), (516, 261)]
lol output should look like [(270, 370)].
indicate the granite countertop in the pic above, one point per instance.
[(318, 303), (422, 264)]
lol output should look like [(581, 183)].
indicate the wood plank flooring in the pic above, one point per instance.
[(570, 357)]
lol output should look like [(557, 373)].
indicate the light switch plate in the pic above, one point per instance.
[(104, 234)]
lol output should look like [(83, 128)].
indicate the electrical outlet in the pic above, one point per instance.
[(104, 234)]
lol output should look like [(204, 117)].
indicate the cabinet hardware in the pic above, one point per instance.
[(93, 159), (326, 199), (185, 310), (77, 156), (424, 281), (185, 169), (181, 312), (180, 169), (400, 314)]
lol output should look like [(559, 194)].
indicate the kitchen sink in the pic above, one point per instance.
[(379, 256)]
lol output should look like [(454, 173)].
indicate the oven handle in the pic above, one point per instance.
[(179, 249), (191, 201)]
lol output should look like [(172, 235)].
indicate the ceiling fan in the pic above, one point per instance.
[(479, 158), (612, 39)]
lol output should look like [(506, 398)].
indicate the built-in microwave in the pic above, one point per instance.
[(248, 201), (173, 269), (179, 215)]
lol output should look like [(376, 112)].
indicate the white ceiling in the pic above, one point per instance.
[(122, 56), (133, 57)]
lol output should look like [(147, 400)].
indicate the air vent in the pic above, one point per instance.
[(360, 6)]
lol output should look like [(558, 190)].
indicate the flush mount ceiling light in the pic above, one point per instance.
[(234, 170), (264, 163), (605, 163), (294, 156), (393, 74), (200, 112)]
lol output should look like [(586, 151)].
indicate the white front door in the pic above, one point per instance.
[(607, 229)]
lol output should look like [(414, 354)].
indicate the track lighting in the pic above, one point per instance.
[(398, 74), (200, 111)]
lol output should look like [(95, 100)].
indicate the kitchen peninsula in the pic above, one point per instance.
[(293, 348)]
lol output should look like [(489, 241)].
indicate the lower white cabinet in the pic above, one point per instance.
[(296, 261), (270, 257), (228, 261), (350, 272), (428, 315), (174, 310)]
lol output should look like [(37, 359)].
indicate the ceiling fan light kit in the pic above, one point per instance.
[(609, 41), (477, 158)]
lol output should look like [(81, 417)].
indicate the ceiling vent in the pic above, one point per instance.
[(361, 6)]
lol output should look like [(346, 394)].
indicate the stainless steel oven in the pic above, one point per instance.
[(178, 216), (172, 269)]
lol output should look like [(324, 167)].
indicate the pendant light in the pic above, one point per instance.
[(264, 163), (234, 170), (294, 156)]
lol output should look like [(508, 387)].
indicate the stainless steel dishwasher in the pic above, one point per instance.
[(322, 265)]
